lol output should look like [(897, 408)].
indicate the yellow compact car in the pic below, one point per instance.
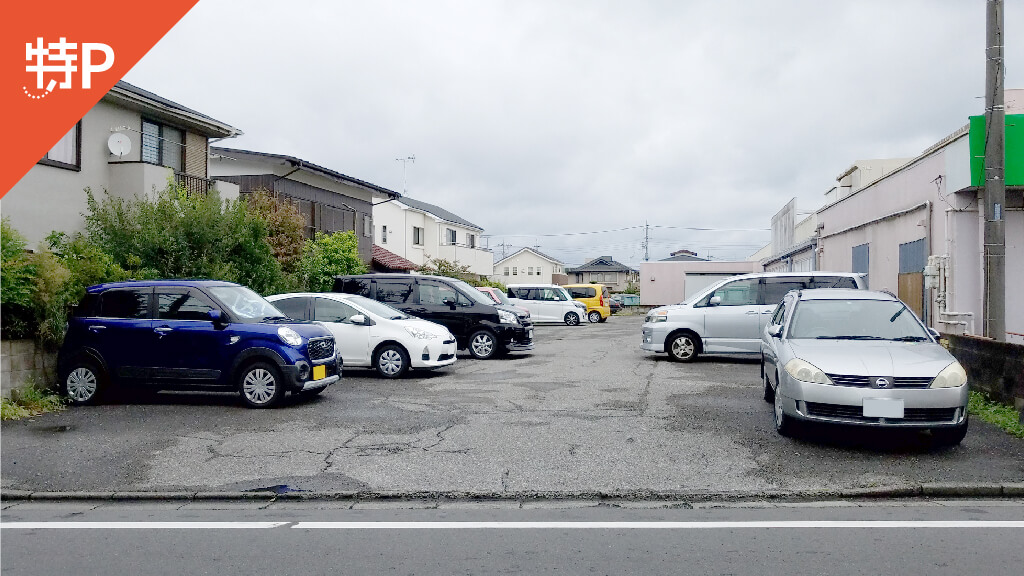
[(595, 296)]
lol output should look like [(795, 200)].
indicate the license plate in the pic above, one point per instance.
[(319, 372), (883, 408)]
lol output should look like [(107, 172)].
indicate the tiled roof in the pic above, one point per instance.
[(437, 211), (390, 260), (602, 264)]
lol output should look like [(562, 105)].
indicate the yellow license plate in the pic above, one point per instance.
[(319, 372)]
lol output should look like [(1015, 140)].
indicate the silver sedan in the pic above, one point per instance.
[(860, 357)]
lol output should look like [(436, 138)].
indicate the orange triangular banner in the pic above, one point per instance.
[(58, 58)]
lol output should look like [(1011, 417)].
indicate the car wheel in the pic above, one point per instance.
[(682, 347), (572, 319), (261, 385), (482, 344), (594, 316), (784, 425), (950, 436), (391, 361), (83, 383), (769, 393)]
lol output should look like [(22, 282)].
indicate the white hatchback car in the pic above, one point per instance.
[(372, 334)]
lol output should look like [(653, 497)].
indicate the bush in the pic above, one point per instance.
[(178, 235), (452, 269), (284, 227), (31, 399), (327, 256), (17, 274)]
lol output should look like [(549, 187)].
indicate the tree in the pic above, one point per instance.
[(17, 273), (452, 269), (284, 227), (327, 256)]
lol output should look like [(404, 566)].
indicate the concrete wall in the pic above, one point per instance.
[(996, 368), (522, 261), (22, 360), (665, 282)]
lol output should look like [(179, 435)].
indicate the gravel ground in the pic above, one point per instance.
[(586, 411)]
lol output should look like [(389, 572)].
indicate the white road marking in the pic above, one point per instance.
[(816, 524)]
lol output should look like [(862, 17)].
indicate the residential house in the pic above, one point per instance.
[(529, 266), (130, 143), (329, 201), (419, 231), (931, 207), (604, 270)]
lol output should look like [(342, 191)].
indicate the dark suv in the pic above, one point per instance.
[(192, 335), (478, 324)]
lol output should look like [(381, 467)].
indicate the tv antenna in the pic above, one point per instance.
[(405, 165)]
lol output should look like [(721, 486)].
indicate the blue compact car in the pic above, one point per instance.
[(192, 335)]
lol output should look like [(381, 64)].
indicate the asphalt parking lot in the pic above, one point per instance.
[(586, 411)]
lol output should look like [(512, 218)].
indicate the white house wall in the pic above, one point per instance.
[(522, 263)]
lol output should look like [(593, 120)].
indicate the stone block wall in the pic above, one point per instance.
[(996, 368), (21, 361)]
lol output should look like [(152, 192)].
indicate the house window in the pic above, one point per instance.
[(163, 145), (515, 271), (66, 153), (506, 270), (367, 226), (383, 234), (450, 236), (538, 270), (417, 236), (609, 277), (862, 260), (530, 271), (471, 240)]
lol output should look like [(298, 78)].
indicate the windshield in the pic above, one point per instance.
[(855, 320), (471, 293), (565, 293), (377, 308), (245, 304), (502, 299)]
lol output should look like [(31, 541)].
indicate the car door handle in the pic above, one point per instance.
[(753, 312), (163, 330), (96, 328), (767, 312)]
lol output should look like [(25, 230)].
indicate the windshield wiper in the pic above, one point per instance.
[(897, 314), (910, 339), (849, 337)]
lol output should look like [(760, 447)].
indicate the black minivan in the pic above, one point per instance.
[(478, 324)]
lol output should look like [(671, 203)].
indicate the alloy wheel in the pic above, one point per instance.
[(482, 345), (683, 348), (594, 316)]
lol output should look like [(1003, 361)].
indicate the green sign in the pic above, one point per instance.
[(1014, 143)]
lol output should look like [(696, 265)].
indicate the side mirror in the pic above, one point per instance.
[(358, 320), (217, 317), (775, 330), (935, 333), (715, 301)]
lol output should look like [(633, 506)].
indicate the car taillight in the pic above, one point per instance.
[(600, 299)]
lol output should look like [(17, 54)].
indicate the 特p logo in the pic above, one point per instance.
[(59, 60)]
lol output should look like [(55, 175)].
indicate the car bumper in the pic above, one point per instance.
[(652, 339), (517, 338), (293, 375), (434, 354), (922, 407)]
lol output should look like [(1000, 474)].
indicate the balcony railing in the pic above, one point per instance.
[(193, 184)]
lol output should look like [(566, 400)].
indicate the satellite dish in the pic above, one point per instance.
[(119, 144)]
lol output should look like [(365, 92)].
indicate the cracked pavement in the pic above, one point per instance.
[(586, 411)]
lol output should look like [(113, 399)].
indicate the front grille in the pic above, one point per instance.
[(856, 413), (865, 381), (320, 348)]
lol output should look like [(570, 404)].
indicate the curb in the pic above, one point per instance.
[(961, 490)]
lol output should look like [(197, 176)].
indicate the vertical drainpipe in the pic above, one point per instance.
[(928, 250)]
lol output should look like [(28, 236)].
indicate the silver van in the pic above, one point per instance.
[(728, 317)]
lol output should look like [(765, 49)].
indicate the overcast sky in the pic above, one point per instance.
[(535, 120)]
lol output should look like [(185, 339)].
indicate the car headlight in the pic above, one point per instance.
[(289, 336), (420, 333), (806, 372), (951, 376), (506, 317), (657, 316)]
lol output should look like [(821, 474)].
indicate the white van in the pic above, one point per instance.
[(547, 303), (728, 317)]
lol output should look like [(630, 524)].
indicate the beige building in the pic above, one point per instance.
[(131, 142), (529, 266)]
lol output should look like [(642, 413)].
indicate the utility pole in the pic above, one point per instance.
[(405, 164), (995, 187), (647, 242)]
